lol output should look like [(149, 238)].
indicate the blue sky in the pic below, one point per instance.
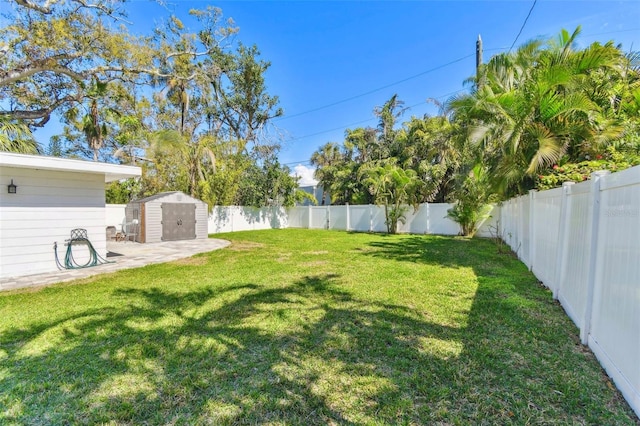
[(354, 55)]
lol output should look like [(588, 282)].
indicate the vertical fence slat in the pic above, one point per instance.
[(591, 276), (563, 243)]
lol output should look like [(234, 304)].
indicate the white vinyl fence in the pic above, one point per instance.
[(114, 215), (583, 242), (237, 218), (427, 219)]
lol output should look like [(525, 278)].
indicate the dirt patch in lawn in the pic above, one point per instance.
[(244, 246)]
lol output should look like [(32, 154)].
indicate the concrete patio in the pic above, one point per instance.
[(124, 255)]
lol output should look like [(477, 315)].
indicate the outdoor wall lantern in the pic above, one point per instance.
[(12, 188)]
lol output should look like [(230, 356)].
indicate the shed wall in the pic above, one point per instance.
[(153, 221), (153, 216), (46, 207)]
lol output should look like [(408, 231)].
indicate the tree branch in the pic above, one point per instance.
[(42, 114), (47, 7), (36, 68)]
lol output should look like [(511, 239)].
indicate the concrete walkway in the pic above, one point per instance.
[(124, 255)]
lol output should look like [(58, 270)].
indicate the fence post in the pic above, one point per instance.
[(428, 229), (348, 218), (532, 228), (370, 218), (563, 243), (519, 208), (593, 253), (309, 220), (328, 217)]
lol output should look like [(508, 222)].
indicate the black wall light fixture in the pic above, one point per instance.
[(12, 188)]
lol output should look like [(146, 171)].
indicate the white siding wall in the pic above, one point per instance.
[(47, 206)]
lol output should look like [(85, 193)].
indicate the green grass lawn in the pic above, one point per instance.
[(304, 327)]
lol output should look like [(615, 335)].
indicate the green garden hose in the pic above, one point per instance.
[(78, 236)]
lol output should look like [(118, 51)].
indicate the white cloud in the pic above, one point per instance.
[(305, 174)]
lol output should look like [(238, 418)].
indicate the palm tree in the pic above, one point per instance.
[(15, 136), (393, 186), (388, 115), (534, 107), (327, 159), (196, 158), (93, 130)]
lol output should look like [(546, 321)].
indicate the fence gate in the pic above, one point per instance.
[(178, 221)]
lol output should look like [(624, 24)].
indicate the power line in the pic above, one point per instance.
[(377, 89), (523, 24), (368, 119), (331, 130)]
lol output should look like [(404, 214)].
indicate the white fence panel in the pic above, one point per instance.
[(338, 218), (298, 217), (488, 228), (319, 218), (417, 220), (378, 219), (244, 219), (360, 218), (524, 230), (515, 233), (114, 215), (546, 227), (507, 223), (221, 219), (583, 241), (572, 290), (615, 329), (439, 223), (237, 218)]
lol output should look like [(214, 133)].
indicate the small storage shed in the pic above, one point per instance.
[(168, 216)]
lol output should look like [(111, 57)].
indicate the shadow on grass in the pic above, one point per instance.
[(522, 361), (187, 358), (309, 352)]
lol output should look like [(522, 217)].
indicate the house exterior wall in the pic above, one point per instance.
[(47, 206)]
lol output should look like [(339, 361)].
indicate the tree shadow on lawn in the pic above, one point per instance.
[(309, 352), (522, 361)]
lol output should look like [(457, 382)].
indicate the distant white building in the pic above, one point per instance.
[(42, 199), (318, 192), (307, 183)]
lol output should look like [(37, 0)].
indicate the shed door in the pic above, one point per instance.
[(178, 221)]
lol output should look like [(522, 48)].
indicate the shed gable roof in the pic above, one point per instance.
[(163, 195), (155, 196)]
